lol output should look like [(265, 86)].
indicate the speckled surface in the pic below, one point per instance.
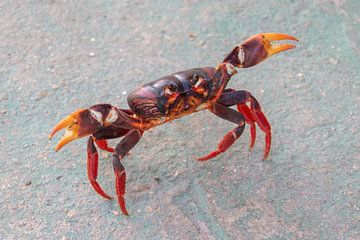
[(58, 56)]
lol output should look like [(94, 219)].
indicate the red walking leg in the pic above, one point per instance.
[(102, 144), (230, 137), (92, 168), (122, 148), (262, 122), (252, 114), (244, 109)]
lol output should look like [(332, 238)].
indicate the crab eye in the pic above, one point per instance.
[(173, 88), (170, 89), (194, 79)]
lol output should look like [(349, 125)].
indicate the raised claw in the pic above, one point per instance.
[(258, 48), (78, 124)]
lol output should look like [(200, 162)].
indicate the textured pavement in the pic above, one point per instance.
[(58, 56)]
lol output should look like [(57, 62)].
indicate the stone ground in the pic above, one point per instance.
[(58, 56)]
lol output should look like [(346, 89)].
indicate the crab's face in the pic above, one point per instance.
[(171, 95), (154, 99)]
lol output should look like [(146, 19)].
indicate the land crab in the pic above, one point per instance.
[(169, 98)]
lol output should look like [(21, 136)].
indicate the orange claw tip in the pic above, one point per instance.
[(271, 44), (68, 121), (278, 37), (69, 136), (57, 148), (276, 49)]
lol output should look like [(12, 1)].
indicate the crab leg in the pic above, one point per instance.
[(231, 136), (246, 112), (103, 145), (244, 109), (108, 132), (99, 137), (241, 98), (92, 167), (125, 145)]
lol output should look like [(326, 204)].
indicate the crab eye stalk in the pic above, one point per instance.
[(171, 94), (194, 79), (170, 90)]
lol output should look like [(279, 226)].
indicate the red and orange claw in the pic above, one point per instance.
[(78, 124), (258, 48)]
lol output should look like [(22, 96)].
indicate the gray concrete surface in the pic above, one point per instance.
[(58, 56)]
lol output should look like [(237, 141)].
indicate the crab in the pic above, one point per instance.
[(172, 97)]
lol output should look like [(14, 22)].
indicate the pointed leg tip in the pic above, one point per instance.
[(202, 159), (209, 156), (124, 211), (251, 146), (108, 197), (101, 192)]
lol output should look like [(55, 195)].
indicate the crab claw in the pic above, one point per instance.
[(258, 48), (78, 124)]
